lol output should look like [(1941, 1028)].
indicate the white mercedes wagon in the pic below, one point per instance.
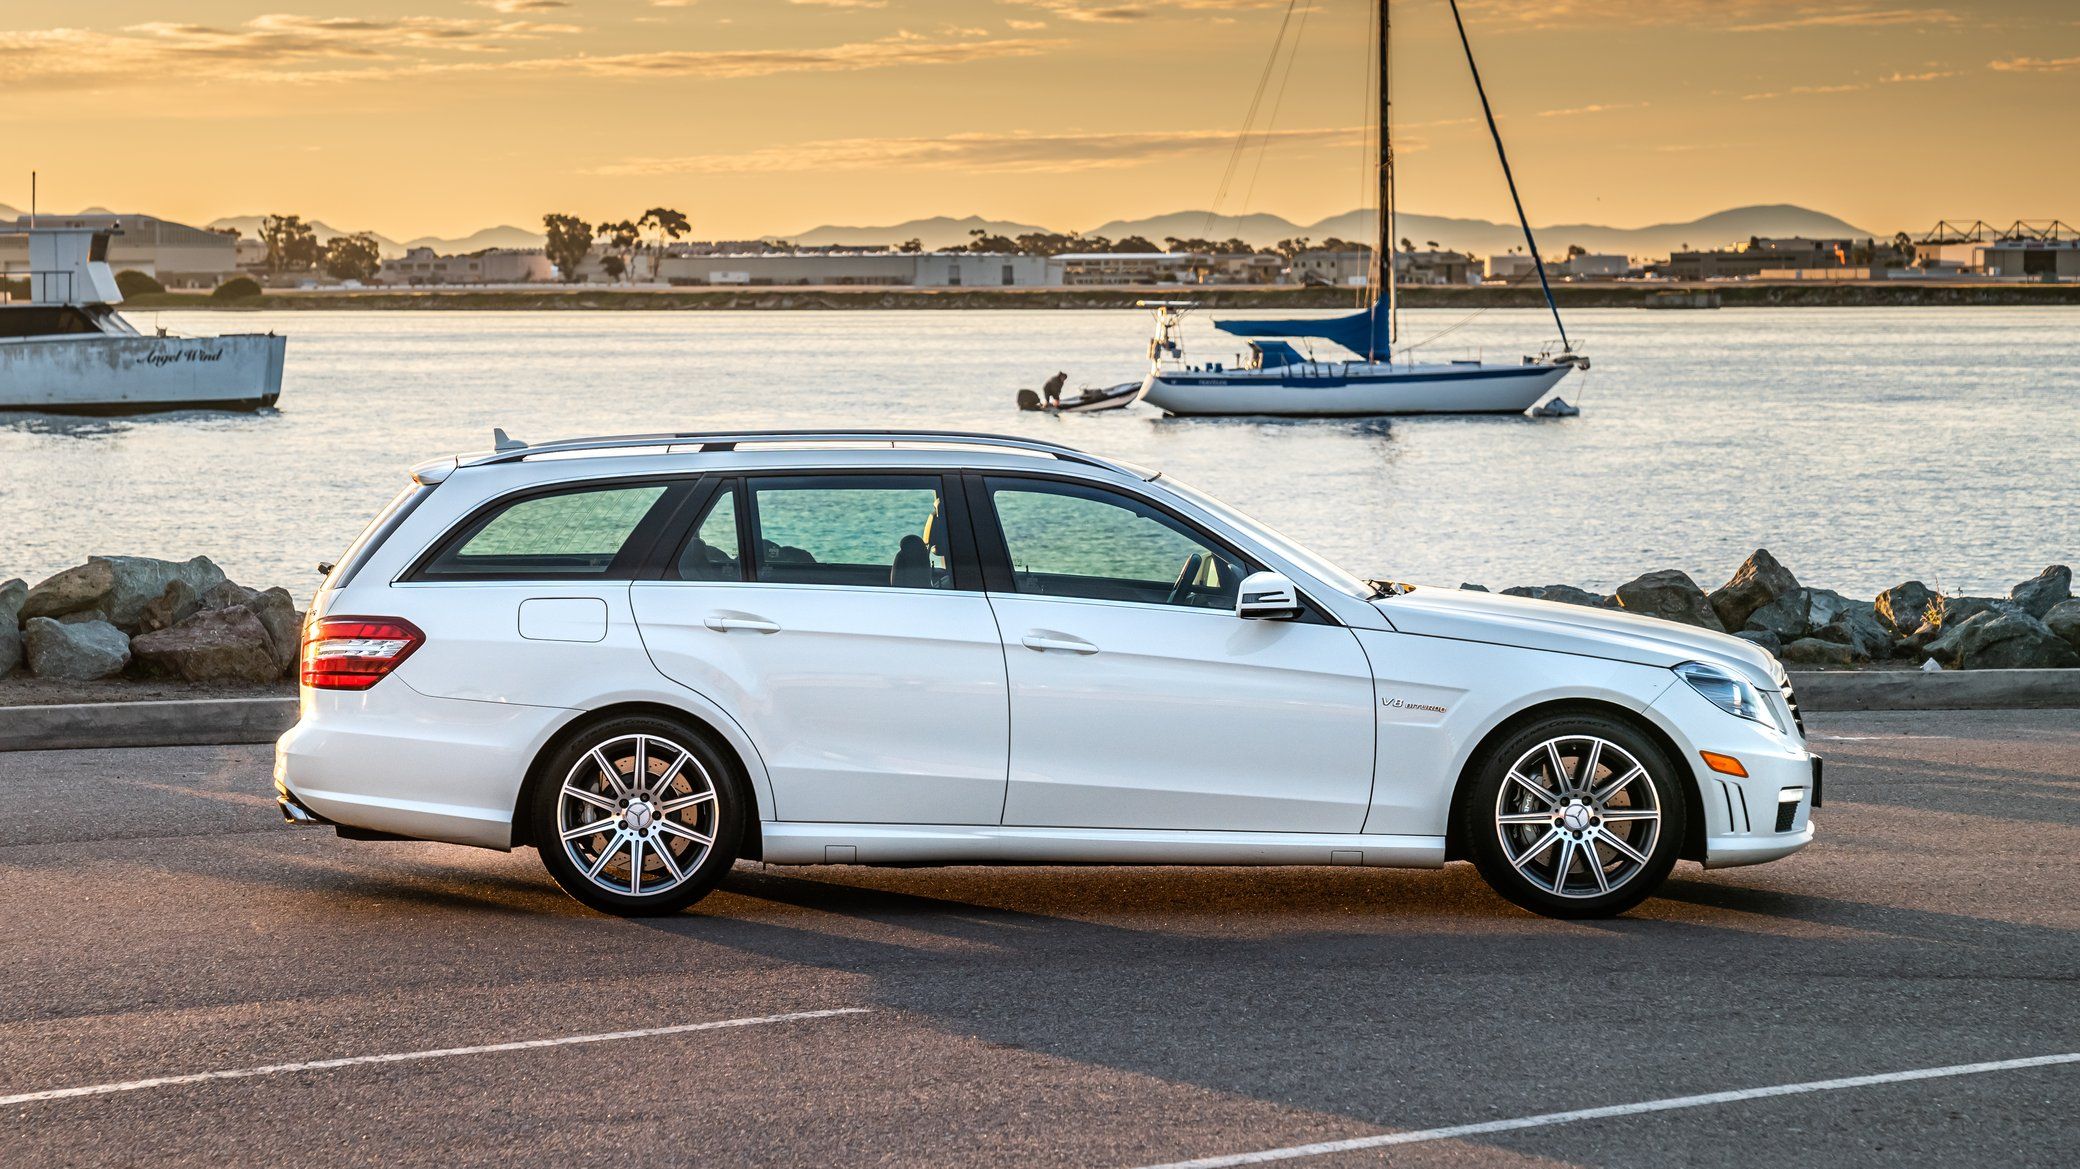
[(649, 657)]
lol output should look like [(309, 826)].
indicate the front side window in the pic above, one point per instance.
[(859, 530), (579, 534), (1070, 540)]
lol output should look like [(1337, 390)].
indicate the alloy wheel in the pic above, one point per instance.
[(1578, 816), (637, 814)]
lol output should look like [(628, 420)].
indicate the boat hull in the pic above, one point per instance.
[(1330, 391), (136, 375)]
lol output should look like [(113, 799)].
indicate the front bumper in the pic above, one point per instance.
[(1762, 816)]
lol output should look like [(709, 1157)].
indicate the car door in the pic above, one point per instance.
[(840, 619), (1138, 698)]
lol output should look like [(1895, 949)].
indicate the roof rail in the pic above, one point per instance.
[(510, 450)]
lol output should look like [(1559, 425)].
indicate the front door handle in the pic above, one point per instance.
[(724, 624), (1047, 641)]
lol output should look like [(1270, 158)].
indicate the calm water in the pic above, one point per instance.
[(1860, 445)]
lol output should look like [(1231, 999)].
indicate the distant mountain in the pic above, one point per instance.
[(490, 237), (940, 231), (504, 236), (1484, 237), (1479, 236)]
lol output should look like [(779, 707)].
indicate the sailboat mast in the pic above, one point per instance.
[(1383, 298)]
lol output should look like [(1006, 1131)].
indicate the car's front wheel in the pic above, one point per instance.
[(638, 815), (1574, 816)]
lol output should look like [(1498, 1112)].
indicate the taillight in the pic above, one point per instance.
[(354, 653)]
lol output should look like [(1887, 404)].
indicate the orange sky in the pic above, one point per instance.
[(762, 116)]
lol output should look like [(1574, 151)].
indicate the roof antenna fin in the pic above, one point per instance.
[(501, 441)]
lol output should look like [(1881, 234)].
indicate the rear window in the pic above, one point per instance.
[(588, 532)]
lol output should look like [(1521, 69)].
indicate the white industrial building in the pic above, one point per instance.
[(174, 254)]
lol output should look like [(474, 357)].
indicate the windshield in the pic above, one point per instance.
[(1309, 561)]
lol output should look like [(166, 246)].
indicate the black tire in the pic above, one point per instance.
[(723, 819), (1647, 817)]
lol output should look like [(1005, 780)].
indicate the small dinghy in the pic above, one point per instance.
[(1086, 401)]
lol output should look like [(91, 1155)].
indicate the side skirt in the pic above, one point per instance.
[(789, 843)]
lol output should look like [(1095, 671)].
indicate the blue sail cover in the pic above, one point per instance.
[(1367, 333)]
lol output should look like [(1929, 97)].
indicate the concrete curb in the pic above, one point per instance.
[(1826, 690), (171, 723)]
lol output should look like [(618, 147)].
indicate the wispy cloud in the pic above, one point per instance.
[(1733, 15), (511, 7), (1592, 109), (274, 45), (1897, 78), (884, 53), (1797, 90), (1000, 153), (1123, 11), (1852, 18), (2035, 64), (307, 50), (841, 3)]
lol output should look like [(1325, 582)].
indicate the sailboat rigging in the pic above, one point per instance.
[(1277, 379)]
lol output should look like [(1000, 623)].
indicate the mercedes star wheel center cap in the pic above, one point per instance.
[(639, 817), (1575, 818)]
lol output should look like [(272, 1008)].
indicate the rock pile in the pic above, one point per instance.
[(2036, 626), (154, 618)]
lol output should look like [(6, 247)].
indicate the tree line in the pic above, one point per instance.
[(292, 246), (570, 239)]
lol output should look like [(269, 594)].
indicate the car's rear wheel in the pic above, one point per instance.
[(638, 815), (1574, 816)]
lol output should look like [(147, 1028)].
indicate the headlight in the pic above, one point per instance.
[(1733, 695)]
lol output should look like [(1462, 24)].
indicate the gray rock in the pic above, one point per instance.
[(215, 645), (169, 608), (83, 615), (2011, 641), (1758, 581), (1858, 628), (1671, 595), (1472, 588), (79, 587), (1799, 612), (1903, 607), (1565, 594), (1956, 610), (284, 625), (80, 652), (2036, 595), (121, 586), (1761, 637), (225, 594), (2064, 620), (12, 594), (1942, 642), (1811, 651)]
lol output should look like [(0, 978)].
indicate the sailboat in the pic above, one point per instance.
[(1278, 379)]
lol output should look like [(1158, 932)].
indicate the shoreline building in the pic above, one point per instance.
[(424, 266), (174, 254)]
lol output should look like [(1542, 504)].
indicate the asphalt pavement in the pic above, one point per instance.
[(184, 980)]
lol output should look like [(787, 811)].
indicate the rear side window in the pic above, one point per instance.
[(859, 530), (588, 532)]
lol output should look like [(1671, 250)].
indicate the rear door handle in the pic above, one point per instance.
[(722, 624), (1044, 642)]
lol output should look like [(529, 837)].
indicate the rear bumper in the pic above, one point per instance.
[(391, 760)]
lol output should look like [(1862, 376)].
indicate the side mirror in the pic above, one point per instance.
[(1267, 596)]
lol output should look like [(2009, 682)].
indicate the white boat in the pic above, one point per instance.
[(66, 350), (1277, 379), (1089, 400)]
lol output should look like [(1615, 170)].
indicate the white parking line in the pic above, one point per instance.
[(319, 1065), (1670, 1104)]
